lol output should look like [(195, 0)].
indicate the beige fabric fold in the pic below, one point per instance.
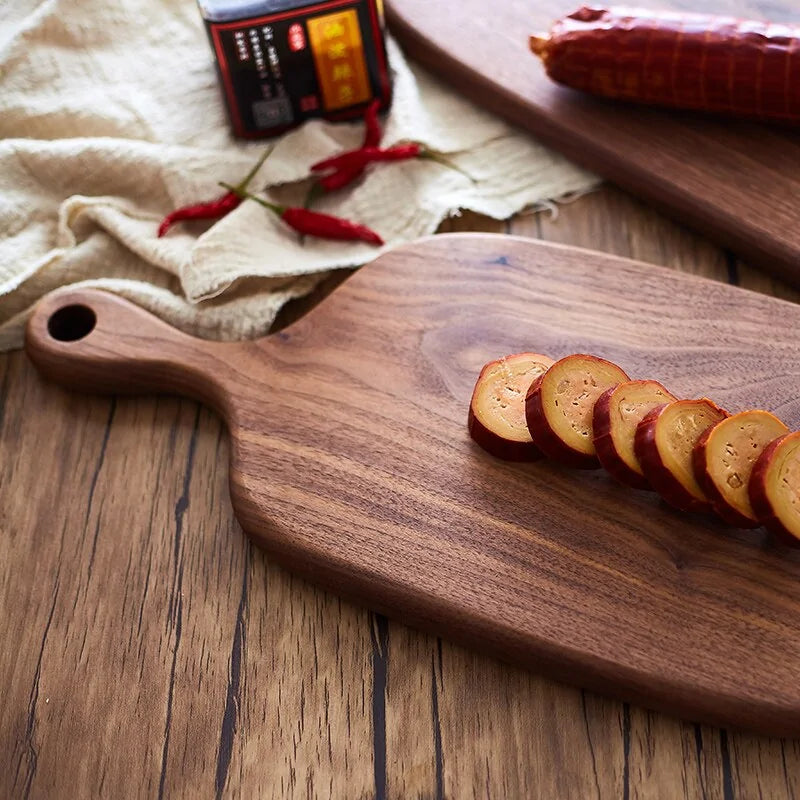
[(111, 116)]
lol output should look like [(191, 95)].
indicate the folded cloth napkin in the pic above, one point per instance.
[(111, 116)]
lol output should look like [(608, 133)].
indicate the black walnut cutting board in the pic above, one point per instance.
[(737, 182), (351, 462)]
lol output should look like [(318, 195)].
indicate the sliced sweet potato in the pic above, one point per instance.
[(560, 404), (724, 458), (617, 414), (774, 488), (496, 418), (664, 442)]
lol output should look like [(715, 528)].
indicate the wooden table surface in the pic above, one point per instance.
[(147, 650)]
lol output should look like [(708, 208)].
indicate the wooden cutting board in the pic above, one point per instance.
[(352, 465), (737, 182)]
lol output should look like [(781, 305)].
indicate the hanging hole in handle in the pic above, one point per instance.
[(71, 323)]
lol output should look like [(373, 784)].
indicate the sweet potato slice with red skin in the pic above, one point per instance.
[(560, 404), (774, 488), (724, 458), (664, 442), (496, 419), (617, 413)]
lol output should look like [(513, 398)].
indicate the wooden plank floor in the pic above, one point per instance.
[(146, 650)]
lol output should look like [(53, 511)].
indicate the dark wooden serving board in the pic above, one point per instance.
[(737, 182), (351, 462)]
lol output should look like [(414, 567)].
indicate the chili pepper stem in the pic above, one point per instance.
[(315, 191), (445, 163), (244, 194), (242, 185)]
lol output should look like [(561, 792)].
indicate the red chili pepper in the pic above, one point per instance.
[(326, 226), (372, 137), (312, 223), (372, 127), (339, 179), (216, 209), (368, 155)]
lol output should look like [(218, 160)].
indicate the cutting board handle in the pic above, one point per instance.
[(92, 340)]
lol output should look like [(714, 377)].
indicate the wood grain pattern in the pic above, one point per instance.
[(735, 181), (351, 463), (422, 716)]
